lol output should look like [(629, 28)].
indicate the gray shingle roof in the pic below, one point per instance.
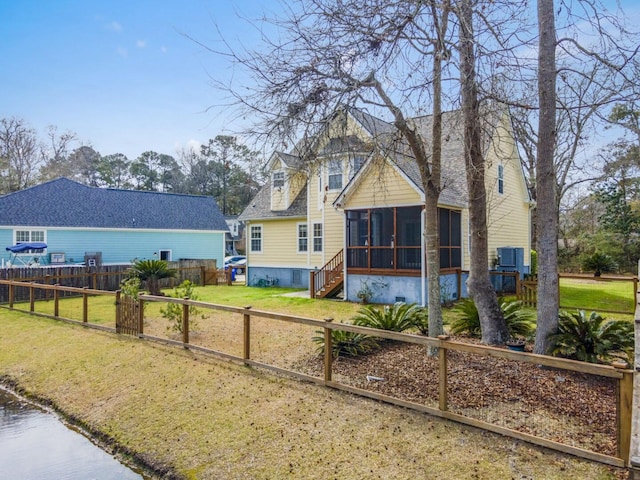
[(260, 206), (65, 203)]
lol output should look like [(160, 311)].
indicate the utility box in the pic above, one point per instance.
[(510, 259)]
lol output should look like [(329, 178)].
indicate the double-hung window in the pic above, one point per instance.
[(278, 179), (501, 179), (317, 237), (256, 238), (303, 238), (30, 236), (335, 174)]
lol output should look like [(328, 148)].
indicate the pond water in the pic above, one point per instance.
[(35, 444)]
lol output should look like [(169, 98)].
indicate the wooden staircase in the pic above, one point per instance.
[(329, 280)]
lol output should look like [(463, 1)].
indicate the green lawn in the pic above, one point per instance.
[(597, 295)]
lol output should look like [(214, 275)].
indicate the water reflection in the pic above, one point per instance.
[(36, 445)]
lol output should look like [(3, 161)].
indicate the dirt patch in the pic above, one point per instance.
[(573, 408)]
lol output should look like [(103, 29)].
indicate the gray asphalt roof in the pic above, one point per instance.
[(260, 206), (453, 180), (66, 203)]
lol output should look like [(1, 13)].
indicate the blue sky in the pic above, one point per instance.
[(121, 74)]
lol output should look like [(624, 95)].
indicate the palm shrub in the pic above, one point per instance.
[(599, 263), (591, 339), (519, 320), (152, 271), (346, 343), (397, 318)]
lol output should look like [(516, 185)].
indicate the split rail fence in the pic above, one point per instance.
[(620, 374)]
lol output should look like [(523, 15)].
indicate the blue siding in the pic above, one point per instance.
[(123, 246), (285, 276), (389, 289)]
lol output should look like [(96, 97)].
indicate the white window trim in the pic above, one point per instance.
[(501, 179), (250, 238), (321, 237), (273, 179), (303, 252), (335, 161), (30, 230), (170, 253)]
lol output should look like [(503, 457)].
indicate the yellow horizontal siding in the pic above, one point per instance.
[(382, 186), (507, 213), (279, 244)]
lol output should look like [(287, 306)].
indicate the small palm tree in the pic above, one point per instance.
[(591, 339), (152, 271), (397, 318), (519, 320), (600, 263)]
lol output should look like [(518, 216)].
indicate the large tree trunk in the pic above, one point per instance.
[(547, 213), (494, 329)]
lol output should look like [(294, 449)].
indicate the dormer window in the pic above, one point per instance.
[(335, 175), (277, 179), (356, 164)]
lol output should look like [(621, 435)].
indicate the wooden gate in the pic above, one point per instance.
[(217, 277), (528, 292), (127, 314)]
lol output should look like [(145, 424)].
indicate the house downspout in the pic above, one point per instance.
[(423, 251), (344, 255)]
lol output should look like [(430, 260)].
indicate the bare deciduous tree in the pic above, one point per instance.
[(19, 158)]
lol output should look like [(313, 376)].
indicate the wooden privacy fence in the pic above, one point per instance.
[(620, 374), (106, 277)]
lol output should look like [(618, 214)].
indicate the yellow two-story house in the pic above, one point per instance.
[(344, 211)]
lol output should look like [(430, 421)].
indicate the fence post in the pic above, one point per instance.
[(32, 299), (118, 311), (46, 282), (312, 283), (85, 305), (328, 351), (624, 394), (185, 323), (11, 293), (443, 396), (246, 352), (635, 292), (56, 301), (203, 279), (140, 316)]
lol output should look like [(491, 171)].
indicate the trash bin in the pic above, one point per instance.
[(233, 274)]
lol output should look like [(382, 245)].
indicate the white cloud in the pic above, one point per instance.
[(115, 26), (123, 52), (163, 49), (141, 44)]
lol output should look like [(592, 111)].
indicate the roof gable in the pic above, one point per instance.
[(65, 203)]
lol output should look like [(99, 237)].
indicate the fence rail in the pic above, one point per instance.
[(106, 277), (621, 375)]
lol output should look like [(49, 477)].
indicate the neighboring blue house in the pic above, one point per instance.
[(120, 225)]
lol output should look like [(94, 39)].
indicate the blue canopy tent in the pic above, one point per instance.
[(31, 253)]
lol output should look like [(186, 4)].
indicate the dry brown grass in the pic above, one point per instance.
[(201, 417)]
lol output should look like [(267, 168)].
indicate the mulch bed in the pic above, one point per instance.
[(568, 407)]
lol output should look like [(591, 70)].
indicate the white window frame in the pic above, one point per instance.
[(356, 164), (300, 237), (259, 238), (169, 254), (501, 179), (30, 232), (318, 242), (277, 179), (335, 171)]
